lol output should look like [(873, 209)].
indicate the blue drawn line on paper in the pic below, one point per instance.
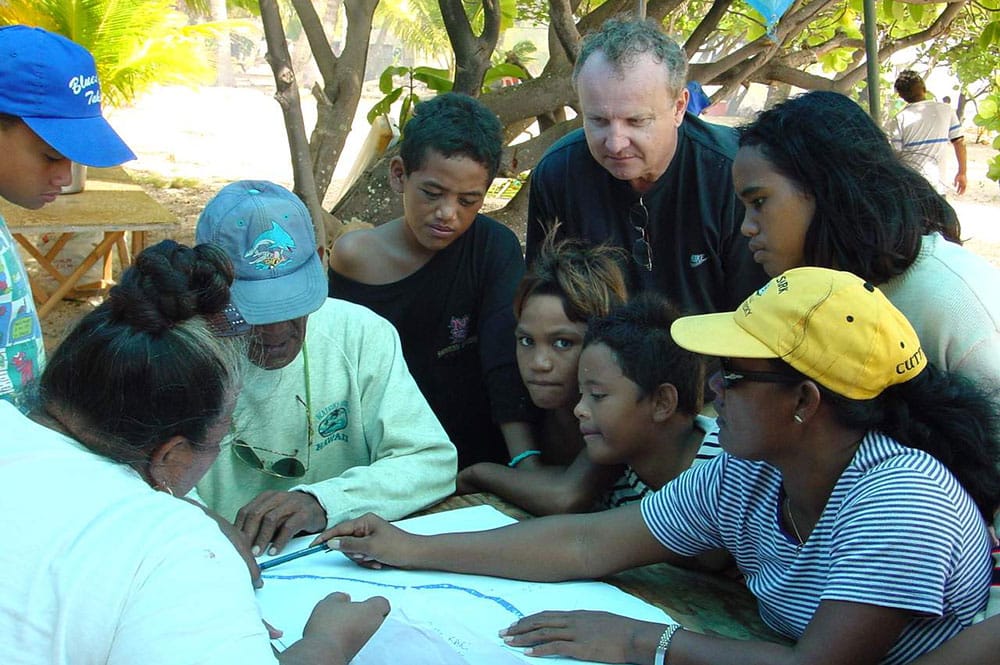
[(502, 602)]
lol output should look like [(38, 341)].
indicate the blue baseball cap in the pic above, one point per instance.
[(51, 83), (268, 235)]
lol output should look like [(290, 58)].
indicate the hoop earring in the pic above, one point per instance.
[(163, 487), (797, 418)]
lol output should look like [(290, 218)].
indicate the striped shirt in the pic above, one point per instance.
[(922, 134), (629, 488), (898, 531)]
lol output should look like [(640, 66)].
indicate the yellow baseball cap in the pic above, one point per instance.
[(831, 326)]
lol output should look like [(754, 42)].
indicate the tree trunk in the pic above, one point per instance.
[(371, 200), (223, 47), (337, 99), (472, 53), (777, 93), (287, 95)]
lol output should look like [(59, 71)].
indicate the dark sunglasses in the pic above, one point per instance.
[(287, 466), (732, 378), (642, 253)]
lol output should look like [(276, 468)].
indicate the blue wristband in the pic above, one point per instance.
[(520, 457)]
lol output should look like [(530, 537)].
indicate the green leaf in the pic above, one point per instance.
[(384, 105), (506, 69), (386, 81), (899, 11), (438, 80), (991, 34), (406, 108), (994, 171), (885, 9)]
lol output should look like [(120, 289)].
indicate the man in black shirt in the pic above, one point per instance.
[(646, 176)]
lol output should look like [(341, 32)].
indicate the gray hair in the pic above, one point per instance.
[(624, 41)]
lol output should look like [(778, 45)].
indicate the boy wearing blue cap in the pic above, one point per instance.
[(329, 424), (50, 115)]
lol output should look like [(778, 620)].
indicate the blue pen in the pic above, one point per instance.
[(270, 563)]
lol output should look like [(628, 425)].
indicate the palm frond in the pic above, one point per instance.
[(135, 43)]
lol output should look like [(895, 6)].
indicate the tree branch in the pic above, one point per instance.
[(658, 9), (326, 61), (561, 22), (531, 98), (521, 156), (287, 95), (849, 78), (706, 27)]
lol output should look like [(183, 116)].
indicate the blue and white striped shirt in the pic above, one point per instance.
[(630, 488), (898, 531)]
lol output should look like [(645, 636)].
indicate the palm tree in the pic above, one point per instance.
[(135, 43)]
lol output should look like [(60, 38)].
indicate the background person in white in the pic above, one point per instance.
[(329, 423), (922, 131)]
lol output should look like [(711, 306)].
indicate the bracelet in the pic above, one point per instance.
[(664, 645), (520, 457)]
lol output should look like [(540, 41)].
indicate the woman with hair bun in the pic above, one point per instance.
[(109, 566)]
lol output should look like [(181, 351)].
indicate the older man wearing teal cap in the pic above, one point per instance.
[(329, 423)]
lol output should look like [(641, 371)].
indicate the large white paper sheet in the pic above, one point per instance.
[(437, 618)]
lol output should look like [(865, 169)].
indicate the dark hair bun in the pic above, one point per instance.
[(170, 283)]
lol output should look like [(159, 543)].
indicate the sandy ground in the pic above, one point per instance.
[(191, 142)]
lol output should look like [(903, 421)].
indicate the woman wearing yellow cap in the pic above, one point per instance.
[(858, 543)]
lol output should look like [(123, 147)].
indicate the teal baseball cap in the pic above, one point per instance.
[(267, 233)]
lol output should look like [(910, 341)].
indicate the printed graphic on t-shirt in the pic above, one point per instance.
[(332, 423), (459, 330), (21, 349)]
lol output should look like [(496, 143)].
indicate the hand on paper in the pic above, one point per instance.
[(351, 624), (369, 541), (274, 518), (336, 630), (582, 634)]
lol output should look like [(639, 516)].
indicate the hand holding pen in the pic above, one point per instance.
[(291, 556)]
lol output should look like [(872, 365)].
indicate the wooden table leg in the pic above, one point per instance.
[(124, 257), (45, 260), (38, 291), (138, 242), (70, 281)]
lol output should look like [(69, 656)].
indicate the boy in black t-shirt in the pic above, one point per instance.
[(445, 276)]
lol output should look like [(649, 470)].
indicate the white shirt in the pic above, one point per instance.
[(100, 568), (922, 134)]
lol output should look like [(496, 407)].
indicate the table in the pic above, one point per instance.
[(111, 204), (703, 602)]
